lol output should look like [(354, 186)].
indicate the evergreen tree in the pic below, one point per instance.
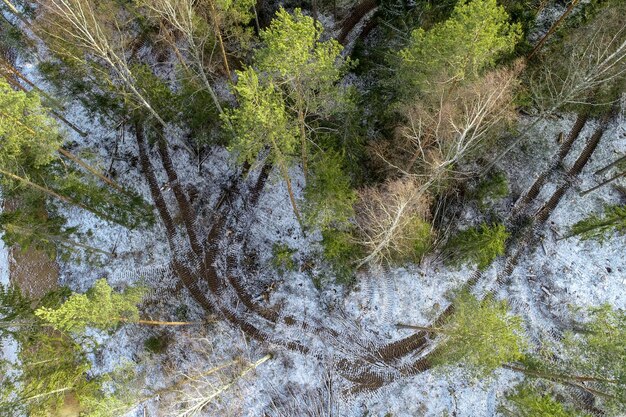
[(30, 138), (477, 245), (305, 68), (100, 307), (599, 353), (30, 161), (477, 33), (328, 194), (612, 221), (260, 122), (291, 86), (530, 402), (480, 335)]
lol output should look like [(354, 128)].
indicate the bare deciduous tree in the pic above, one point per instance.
[(391, 220), (182, 16), (77, 32), (456, 121)]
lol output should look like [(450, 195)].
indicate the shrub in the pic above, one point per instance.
[(492, 188), (156, 344), (283, 258)]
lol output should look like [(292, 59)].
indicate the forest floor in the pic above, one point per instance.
[(550, 276)]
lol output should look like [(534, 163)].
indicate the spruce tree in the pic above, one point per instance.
[(612, 221), (477, 245), (100, 307)]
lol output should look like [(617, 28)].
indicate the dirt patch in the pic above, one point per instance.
[(31, 270)]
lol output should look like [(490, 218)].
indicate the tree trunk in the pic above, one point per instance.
[(553, 28), (22, 77), (303, 144), (55, 194), (92, 170), (285, 174), (61, 240), (557, 376), (218, 32), (603, 183), (609, 166)]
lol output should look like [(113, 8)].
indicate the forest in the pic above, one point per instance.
[(313, 208)]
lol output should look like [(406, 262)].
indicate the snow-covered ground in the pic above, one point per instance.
[(556, 275)]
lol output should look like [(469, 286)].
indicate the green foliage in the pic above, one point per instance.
[(100, 307), (30, 138), (480, 335), (599, 352), (529, 402), (261, 120), (612, 221), (69, 79), (198, 113), (28, 228), (297, 59), (329, 196), (492, 188), (13, 307), (421, 233), (55, 366), (156, 92), (477, 245), (477, 33), (126, 209), (282, 258), (156, 344), (342, 252)]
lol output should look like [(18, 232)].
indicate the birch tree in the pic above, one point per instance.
[(453, 123), (79, 31), (197, 34), (591, 62)]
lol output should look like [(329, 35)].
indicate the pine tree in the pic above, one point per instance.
[(101, 307), (480, 335), (261, 122), (305, 69), (293, 80), (477, 33)]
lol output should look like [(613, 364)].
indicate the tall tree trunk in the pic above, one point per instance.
[(218, 31), (285, 174), (92, 170), (11, 69), (553, 29), (303, 144), (603, 183), (61, 240), (55, 194)]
